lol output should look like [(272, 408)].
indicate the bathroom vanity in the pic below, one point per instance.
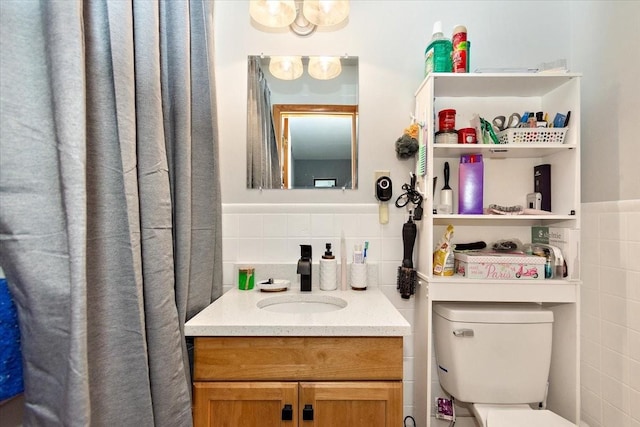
[(508, 178), (298, 359)]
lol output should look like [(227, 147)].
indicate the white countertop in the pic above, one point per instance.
[(368, 313)]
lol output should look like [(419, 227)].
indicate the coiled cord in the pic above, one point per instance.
[(411, 195)]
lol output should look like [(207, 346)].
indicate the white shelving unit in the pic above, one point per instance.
[(508, 177)]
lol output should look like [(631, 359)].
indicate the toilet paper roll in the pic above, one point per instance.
[(359, 276), (328, 274)]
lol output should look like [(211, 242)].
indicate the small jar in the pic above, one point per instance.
[(447, 120), (246, 278), (467, 136)]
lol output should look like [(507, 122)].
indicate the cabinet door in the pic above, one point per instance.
[(353, 404), (246, 404)]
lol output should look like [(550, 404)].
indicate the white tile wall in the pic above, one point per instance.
[(610, 332)]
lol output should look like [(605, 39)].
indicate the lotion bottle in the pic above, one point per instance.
[(328, 270)]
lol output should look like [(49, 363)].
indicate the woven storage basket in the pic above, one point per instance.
[(532, 136)]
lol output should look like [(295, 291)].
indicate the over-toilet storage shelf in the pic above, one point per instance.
[(508, 177), (450, 289)]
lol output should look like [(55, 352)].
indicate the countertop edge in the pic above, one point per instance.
[(315, 331)]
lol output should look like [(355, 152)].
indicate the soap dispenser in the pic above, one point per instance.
[(328, 270), (304, 268)]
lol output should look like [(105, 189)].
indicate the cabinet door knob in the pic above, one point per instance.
[(287, 412), (307, 413)]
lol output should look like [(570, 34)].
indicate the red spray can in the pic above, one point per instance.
[(460, 55)]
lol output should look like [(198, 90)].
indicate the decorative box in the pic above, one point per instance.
[(499, 266)]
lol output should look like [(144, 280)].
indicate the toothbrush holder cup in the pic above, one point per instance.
[(359, 276)]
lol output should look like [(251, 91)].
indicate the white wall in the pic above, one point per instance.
[(602, 36), (604, 39)]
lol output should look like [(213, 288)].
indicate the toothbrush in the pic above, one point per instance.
[(366, 247)]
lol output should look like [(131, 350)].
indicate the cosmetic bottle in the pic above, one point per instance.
[(328, 270), (437, 56), (459, 56)]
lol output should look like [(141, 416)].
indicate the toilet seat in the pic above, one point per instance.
[(526, 418)]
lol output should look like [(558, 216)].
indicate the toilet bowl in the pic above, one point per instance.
[(496, 357), (516, 416)]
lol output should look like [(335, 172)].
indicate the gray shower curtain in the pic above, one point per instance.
[(110, 215), (263, 164)]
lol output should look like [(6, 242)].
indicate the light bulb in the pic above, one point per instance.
[(286, 67), (273, 13), (324, 67), (326, 12)]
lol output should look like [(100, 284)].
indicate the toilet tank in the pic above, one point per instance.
[(493, 352)]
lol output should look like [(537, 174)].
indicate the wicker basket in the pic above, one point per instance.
[(532, 136)]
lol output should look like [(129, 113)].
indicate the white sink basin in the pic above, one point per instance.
[(302, 304)]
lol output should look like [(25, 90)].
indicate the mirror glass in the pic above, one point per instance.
[(302, 133)]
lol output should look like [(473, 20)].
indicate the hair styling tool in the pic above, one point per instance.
[(407, 276)]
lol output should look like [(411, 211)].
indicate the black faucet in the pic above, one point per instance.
[(304, 268)]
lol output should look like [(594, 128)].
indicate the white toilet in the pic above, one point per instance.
[(496, 357)]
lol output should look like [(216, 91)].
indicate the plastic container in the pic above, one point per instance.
[(447, 120), (467, 136), (437, 55), (532, 136), (246, 278), (459, 55), (470, 183), (446, 137)]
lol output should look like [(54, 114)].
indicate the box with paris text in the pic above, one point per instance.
[(499, 265)]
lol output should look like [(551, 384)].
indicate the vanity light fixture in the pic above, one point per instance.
[(285, 67), (302, 16)]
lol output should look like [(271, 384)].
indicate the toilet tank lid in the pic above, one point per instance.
[(506, 312)]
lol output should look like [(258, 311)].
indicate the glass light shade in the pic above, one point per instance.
[(325, 12), (286, 67), (324, 67), (273, 13)]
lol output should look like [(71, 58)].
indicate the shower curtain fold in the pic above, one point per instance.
[(263, 161), (110, 217)]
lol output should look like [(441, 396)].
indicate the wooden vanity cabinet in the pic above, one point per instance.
[(248, 381)]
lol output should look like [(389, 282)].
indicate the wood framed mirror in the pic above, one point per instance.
[(317, 142)]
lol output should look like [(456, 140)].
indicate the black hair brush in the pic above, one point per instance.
[(407, 276)]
